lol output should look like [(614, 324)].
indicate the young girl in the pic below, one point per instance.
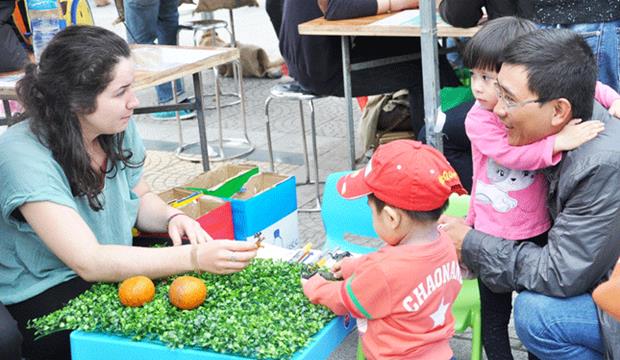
[(508, 195)]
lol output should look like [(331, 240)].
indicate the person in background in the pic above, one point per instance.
[(402, 294), (150, 20), (508, 196), (315, 62), (14, 56), (598, 21), (465, 14), (72, 189), (547, 79)]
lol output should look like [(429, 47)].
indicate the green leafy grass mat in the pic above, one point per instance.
[(260, 312)]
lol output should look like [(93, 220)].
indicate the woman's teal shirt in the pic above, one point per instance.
[(29, 173)]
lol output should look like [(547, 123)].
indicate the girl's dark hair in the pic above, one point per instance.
[(486, 48), (75, 67), (419, 216)]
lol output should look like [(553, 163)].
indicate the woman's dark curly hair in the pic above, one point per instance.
[(75, 67)]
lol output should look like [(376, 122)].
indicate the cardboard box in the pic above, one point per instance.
[(98, 346), (223, 181), (175, 194), (283, 233), (265, 199), (212, 213)]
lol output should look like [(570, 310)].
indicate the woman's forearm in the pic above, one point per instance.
[(153, 213)]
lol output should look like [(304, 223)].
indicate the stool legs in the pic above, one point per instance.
[(240, 146), (268, 127), (304, 141), (315, 152), (233, 38), (237, 143)]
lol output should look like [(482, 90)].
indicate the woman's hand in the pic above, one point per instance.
[(182, 225), (225, 256)]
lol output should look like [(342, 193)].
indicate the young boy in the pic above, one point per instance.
[(402, 294)]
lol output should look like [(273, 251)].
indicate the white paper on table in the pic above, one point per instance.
[(409, 17), (269, 251), (10, 80), (158, 59)]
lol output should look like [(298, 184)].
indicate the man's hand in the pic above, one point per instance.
[(456, 229)]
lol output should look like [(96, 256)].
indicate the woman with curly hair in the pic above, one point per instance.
[(71, 189)]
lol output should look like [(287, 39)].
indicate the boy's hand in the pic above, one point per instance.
[(337, 270), (614, 109), (576, 133)]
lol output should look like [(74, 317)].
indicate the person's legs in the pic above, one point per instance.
[(141, 21), (604, 39), (145, 23), (495, 310), (13, 54), (558, 328), (10, 338), (274, 10), (54, 346), (167, 29)]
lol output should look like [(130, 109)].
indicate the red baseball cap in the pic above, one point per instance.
[(406, 174)]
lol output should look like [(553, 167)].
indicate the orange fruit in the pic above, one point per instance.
[(187, 292), (136, 291)]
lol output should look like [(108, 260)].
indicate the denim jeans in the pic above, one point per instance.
[(604, 39), (558, 328), (150, 20)]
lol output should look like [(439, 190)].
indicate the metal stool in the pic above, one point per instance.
[(285, 92), (235, 147), (211, 26)]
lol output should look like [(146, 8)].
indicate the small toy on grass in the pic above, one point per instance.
[(187, 292), (259, 239), (136, 291)]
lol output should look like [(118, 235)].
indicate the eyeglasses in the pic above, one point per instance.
[(509, 102)]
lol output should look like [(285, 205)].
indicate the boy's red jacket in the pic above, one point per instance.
[(402, 297)]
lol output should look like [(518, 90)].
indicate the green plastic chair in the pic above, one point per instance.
[(466, 307)]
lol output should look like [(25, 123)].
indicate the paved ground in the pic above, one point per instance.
[(161, 137)]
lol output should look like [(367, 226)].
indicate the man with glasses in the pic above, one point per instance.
[(548, 78)]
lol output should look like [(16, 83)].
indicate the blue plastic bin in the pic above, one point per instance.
[(266, 199), (98, 346)]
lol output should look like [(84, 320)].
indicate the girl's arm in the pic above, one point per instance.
[(607, 97), (489, 136), (66, 234)]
